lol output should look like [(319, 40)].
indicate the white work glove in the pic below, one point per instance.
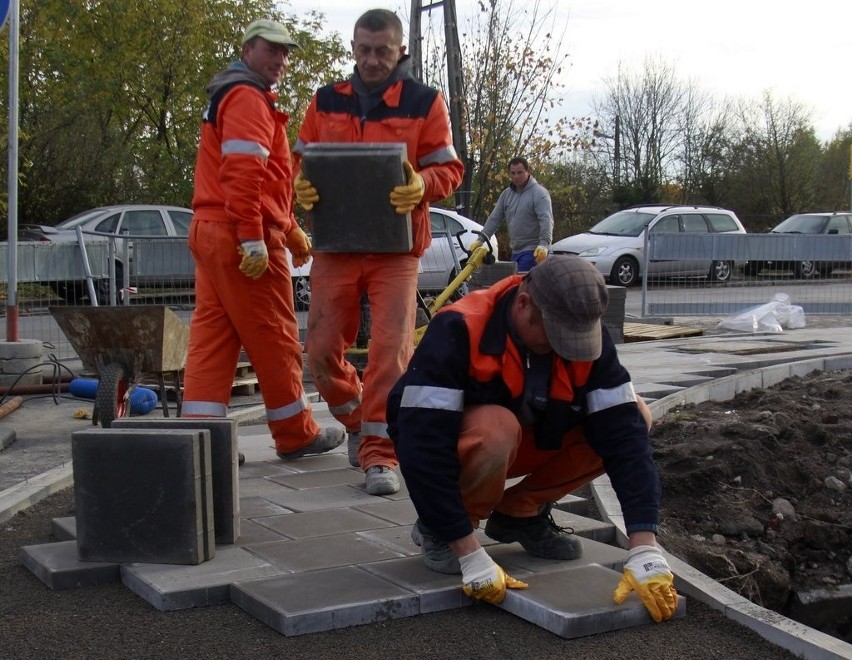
[(540, 254), (648, 574), (484, 580), (255, 258)]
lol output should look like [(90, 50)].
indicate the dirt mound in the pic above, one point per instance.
[(757, 493)]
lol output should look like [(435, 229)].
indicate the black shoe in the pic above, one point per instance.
[(436, 554), (539, 535), (326, 440)]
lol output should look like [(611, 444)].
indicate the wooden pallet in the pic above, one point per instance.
[(245, 380), (650, 331)]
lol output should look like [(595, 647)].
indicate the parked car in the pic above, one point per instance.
[(135, 220), (438, 267), (616, 245), (834, 223)]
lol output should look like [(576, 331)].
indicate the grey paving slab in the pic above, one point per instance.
[(322, 552), (315, 499), (252, 533), (398, 539), (577, 602), (258, 507), (259, 487), (223, 465), (170, 587), (261, 469), (401, 512), (324, 600), (656, 390), (57, 565), (319, 478), (143, 495), (512, 555), (436, 591), (322, 523), (64, 529), (589, 528), (573, 504)]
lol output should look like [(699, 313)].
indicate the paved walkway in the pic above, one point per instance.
[(311, 522)]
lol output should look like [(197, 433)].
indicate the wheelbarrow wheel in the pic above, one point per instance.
[(111, 401)]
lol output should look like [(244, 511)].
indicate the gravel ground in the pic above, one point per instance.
[(112, 622)]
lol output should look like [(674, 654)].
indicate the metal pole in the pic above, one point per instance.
[(617, 168), (12, 178)]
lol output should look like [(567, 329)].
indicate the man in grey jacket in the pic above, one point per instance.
[(525, 207)]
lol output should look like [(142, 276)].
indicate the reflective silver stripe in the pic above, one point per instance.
[(377, 429), (438, 157), (288, 411), (245, 147), (299, 147), (346, 408), (205, 408), (438, 398), (598, 400)]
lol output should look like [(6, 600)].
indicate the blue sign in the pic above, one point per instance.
[(4, 11)]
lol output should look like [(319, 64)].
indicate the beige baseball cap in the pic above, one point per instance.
[(272, 31)]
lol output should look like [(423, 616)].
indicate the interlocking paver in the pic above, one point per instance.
[(322, 523), (57, 565)]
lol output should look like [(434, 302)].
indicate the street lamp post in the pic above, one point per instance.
[(616, 170)]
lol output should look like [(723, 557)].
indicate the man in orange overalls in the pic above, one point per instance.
[(243, 221), (380, 102)]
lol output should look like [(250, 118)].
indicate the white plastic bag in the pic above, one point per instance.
[(773, 316)]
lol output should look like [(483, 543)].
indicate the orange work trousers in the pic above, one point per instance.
[(337, 282), (493, 447), (232, 312)]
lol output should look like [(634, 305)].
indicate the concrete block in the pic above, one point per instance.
[(401, 512), (258, 507), (315, 499), (319, 478), (143, 495), (322, 552), (323, 600), (171, 587), (322, 523), (253, 534), (512, 556), (354, 182), (436, 591), (57, 565), (225, 462), (578, 602)]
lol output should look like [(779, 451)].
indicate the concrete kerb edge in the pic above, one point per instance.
[(775, 628)]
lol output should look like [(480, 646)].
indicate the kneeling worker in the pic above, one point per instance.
[(522, 380)]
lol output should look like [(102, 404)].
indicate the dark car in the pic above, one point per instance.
[(833, 223)]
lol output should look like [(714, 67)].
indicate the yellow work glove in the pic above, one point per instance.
[(306, 194), (255, 258), (474, 246), (484, 580), (405, 198), (540, 254), (299, 245), (647, 573)]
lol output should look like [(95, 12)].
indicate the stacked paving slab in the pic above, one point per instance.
[(161, 506)]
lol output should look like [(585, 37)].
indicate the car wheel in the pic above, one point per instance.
[(805, 270), (302, 292), (625, 272), (720, 271)]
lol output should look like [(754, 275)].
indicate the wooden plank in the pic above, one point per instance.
[(650, 331)]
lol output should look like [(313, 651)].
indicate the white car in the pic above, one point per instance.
[(616, 245), (438, 266)]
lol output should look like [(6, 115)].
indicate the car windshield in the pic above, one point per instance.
[(623, 223), (80, 218), (802, 224)]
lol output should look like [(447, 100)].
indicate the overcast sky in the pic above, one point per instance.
[(730, 48)]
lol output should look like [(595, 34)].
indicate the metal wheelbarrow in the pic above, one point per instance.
[(124, 345)]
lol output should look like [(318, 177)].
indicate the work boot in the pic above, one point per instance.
[(326, 440), (436, 554), (382, 480), (352, 444), (539, 535)]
